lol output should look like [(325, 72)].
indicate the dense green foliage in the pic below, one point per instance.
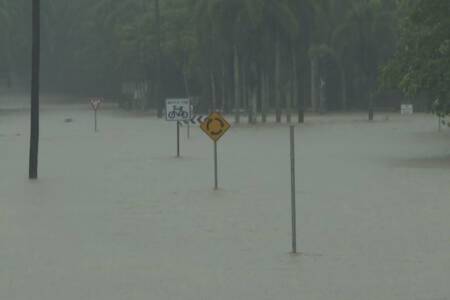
[(422, 62), (253, 55), (15, 35)]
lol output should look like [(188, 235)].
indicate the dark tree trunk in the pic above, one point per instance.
[(304, 93), (323, 96), (237, 99), (34, 136), (264, 96), (158, 90), (213, 92), (295, 92), (371, 104), (246, 93), (186, 83), (344, 100), (288, 96), (301, 101), (277, 80), (224, 84), (314, 84)]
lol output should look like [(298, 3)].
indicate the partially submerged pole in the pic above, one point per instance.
[(34, 132), (293, 191)]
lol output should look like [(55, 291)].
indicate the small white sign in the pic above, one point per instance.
[(178, 110), (95, 103), (407, 109)]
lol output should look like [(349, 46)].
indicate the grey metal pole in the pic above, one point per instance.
[(95, 120), (216, 180), (34, 122), (189, 131), (189, 123), (293, 191), (178, 139)]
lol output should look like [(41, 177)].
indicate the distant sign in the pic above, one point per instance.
[(195, 120), (407, 109), (95, 103), (215, 126), (178, 110)]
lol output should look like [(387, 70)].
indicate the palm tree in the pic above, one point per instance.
[(326, 15), (159, 98), (366, 34), (7, 14)]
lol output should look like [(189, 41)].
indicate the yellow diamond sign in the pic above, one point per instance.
[(215, 126)]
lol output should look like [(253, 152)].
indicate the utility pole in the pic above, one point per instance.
[(159, 99), (34, 136)]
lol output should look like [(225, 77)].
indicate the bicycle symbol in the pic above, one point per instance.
[(178, 112)]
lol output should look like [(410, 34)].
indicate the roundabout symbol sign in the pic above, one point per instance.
[(215, 126)]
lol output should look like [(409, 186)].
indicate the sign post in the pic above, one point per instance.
[(178, 139), (216, 176), (215, 126), (293, 192), (178, 110), (95, 104), (191, 111)]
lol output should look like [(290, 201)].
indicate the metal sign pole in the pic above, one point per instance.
[(189, 131), (95, 121), (189, 123), (34, 113), (216, 180), (178, 139), (215, 126), (293, 191)]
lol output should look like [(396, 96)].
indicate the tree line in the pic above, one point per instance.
[(421, 64), (240, 56)]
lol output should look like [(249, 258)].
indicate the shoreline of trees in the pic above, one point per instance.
[(285, 56)]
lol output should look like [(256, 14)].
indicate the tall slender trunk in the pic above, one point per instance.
[(34, 137), (264, 97), (244, 90), (295, 91), (158, 90), (304, 94), (288, 97), (9, 60), (224, 84), (365, 69), (251, 105), (186, 83), (344, 89), (323, 96), (258, 92), (246, 94), (277, 80), (301, 105), (371, 107), (314, 84), (255, 105), (213, 91), (237, 84)]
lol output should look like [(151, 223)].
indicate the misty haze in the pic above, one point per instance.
[(225, 149)]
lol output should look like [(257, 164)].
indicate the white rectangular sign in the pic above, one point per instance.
[(178, 110), (407, 109)]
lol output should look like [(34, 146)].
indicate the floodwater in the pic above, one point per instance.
[(116, 216)]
